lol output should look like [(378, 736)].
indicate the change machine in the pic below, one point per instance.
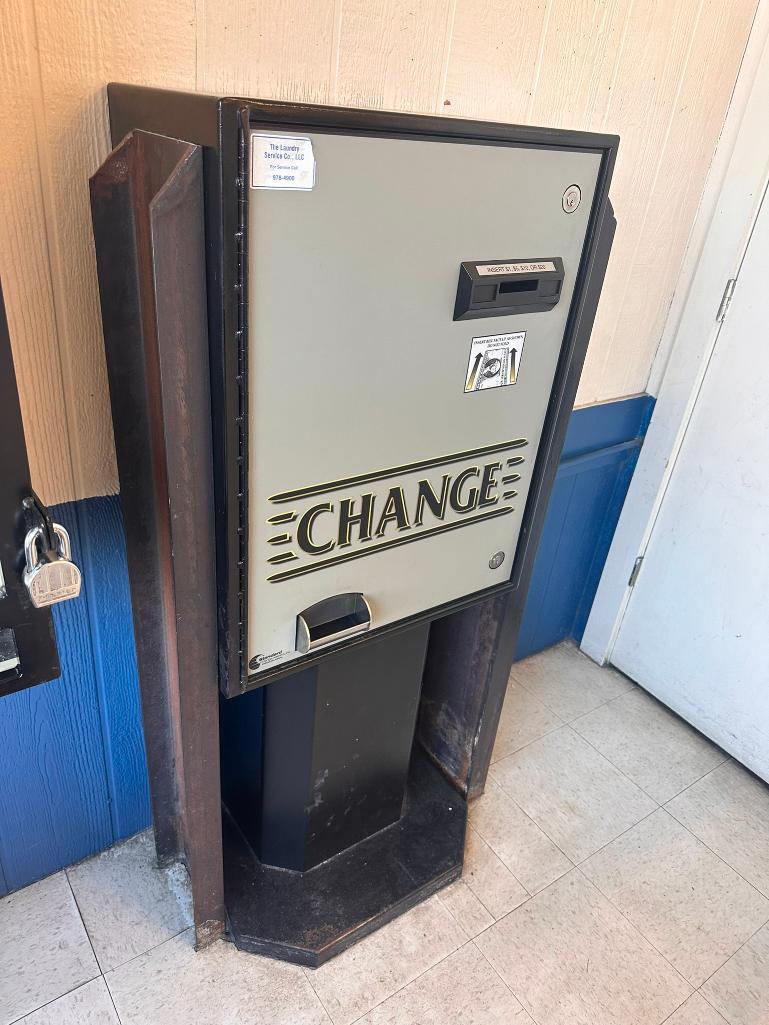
[(343, 346)]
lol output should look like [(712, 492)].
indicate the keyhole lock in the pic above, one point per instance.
[(571, 199), (496, 560)]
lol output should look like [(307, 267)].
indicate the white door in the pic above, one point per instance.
[(696, 628)]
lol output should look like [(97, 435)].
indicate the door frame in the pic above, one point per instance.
[(730, 202)]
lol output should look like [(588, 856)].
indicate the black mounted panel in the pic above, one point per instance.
[(28, 652)]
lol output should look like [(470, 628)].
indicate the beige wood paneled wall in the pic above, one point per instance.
[(658, 72)]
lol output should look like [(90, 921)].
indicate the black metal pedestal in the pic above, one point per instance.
[(337, 744), (318, 761), (335, 820), (308, 917)]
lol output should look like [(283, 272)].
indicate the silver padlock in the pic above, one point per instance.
[(50, 580)]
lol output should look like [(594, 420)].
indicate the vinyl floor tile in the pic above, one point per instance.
[(572, 959), (489, 879), (568, 682), (90, 1004), (740, 990), (524, 718), (44, 950), (516, 839), (695, 1011), (572, 792), (174, 985), (462, 989), (363, 976), (469, 913), (128, 904), (656, 749), (729, 811), (690, 905)]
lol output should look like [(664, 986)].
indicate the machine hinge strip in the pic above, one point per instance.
[(242, 315)]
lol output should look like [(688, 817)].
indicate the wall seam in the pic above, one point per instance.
[(659, 361), (448, 41), (200, 31), (31, 38), (648, 204), (336, 47), (538, 65), (617, 64)]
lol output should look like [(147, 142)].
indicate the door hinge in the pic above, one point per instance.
[(726, 298), (635, 571)]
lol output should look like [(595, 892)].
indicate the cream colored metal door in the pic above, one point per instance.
[(359, 377)]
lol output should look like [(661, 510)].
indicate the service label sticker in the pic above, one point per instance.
[(495, 361), (282, 162)]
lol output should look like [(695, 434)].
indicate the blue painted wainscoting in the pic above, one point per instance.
[(71, 751), (602, 446)]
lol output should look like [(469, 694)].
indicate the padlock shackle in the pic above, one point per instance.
[(62, 535), (37, 515), (31, 550)]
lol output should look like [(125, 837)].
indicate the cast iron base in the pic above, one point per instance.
[(308, 917)]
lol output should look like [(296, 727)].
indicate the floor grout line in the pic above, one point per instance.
[(504, 982), (149, 950), (696, 781), (440, 961), (641, 936), (648, 815), (528, 743), (657, 807), (80, 985), (485, 842), (83, 922), (701, 994), (734, 954), (707, 846), (660, 804), (692, 783), (574, 650), (90, 940), (616, 767), (534, 822), (306, 972), (723, 860)]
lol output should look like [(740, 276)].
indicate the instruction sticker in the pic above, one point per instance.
[(515, 268), (282, 162), (494, 361)]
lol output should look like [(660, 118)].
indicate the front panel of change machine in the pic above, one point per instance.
[(407, 304)]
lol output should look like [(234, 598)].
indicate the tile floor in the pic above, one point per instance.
[(617, 873)]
